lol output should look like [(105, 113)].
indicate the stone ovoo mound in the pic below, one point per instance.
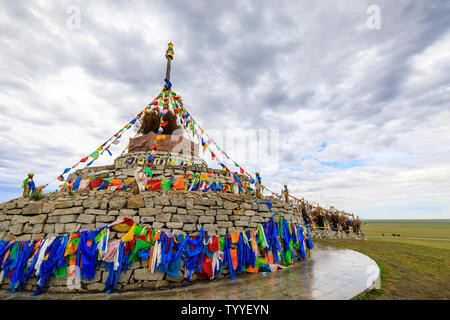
[(118, 239)]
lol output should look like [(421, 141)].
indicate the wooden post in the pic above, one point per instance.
[(169, 56), (168, 68)]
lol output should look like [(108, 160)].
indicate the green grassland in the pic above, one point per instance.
[(439, 229), (408, 229), (410, 268)]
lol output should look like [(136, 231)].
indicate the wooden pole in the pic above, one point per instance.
[(169, 56), (168, 68)]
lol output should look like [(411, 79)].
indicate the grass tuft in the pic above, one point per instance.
[(36, 196)]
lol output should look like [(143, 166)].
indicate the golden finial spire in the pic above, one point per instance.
[(169, 51)]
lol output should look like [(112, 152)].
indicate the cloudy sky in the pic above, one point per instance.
[(360, 113)]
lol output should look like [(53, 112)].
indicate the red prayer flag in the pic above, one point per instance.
[(84, 159), (94, 183), (153, 185), (207, 269), (75, 165)]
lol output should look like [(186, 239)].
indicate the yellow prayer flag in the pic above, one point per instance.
[(129, 235)]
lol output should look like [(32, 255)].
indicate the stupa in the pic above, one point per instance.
[(174, 154)]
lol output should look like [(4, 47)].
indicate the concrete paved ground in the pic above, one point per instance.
[(330, 273)]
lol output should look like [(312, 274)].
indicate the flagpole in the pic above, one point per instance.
[(169, 56)]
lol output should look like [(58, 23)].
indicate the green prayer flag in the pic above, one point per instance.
[(165, 184), (61, 272), (152, 236), (139, 246), (281, 228), (148, 171), (13, 251), (259, 262), (137, 230), (94, 155), (100, 236), (221, 243)]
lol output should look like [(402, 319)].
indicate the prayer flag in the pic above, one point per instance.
[(94, 155)]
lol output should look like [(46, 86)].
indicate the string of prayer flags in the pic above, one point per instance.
[(167, 98), (94, 155), (117, 136)]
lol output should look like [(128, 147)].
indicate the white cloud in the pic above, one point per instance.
[(314, 72)]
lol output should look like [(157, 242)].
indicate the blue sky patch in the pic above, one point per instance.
[(342, 165)]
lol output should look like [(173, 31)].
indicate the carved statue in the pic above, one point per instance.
[(28, 185), (258, 185), (138, 178), (286, 193)]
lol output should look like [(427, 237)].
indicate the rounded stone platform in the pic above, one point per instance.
[(330, 274)]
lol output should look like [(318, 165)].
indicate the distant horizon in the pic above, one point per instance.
[(3, 200), (406, 219)]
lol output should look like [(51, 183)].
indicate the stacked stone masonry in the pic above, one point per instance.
[(329, 234), (126, 171), (172, 211)]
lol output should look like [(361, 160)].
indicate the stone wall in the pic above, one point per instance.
[(171, 211), (329, 234)]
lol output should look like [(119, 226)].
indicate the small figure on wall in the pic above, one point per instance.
[(138, 180), (286, 193), (258, 185), (28, 185)]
